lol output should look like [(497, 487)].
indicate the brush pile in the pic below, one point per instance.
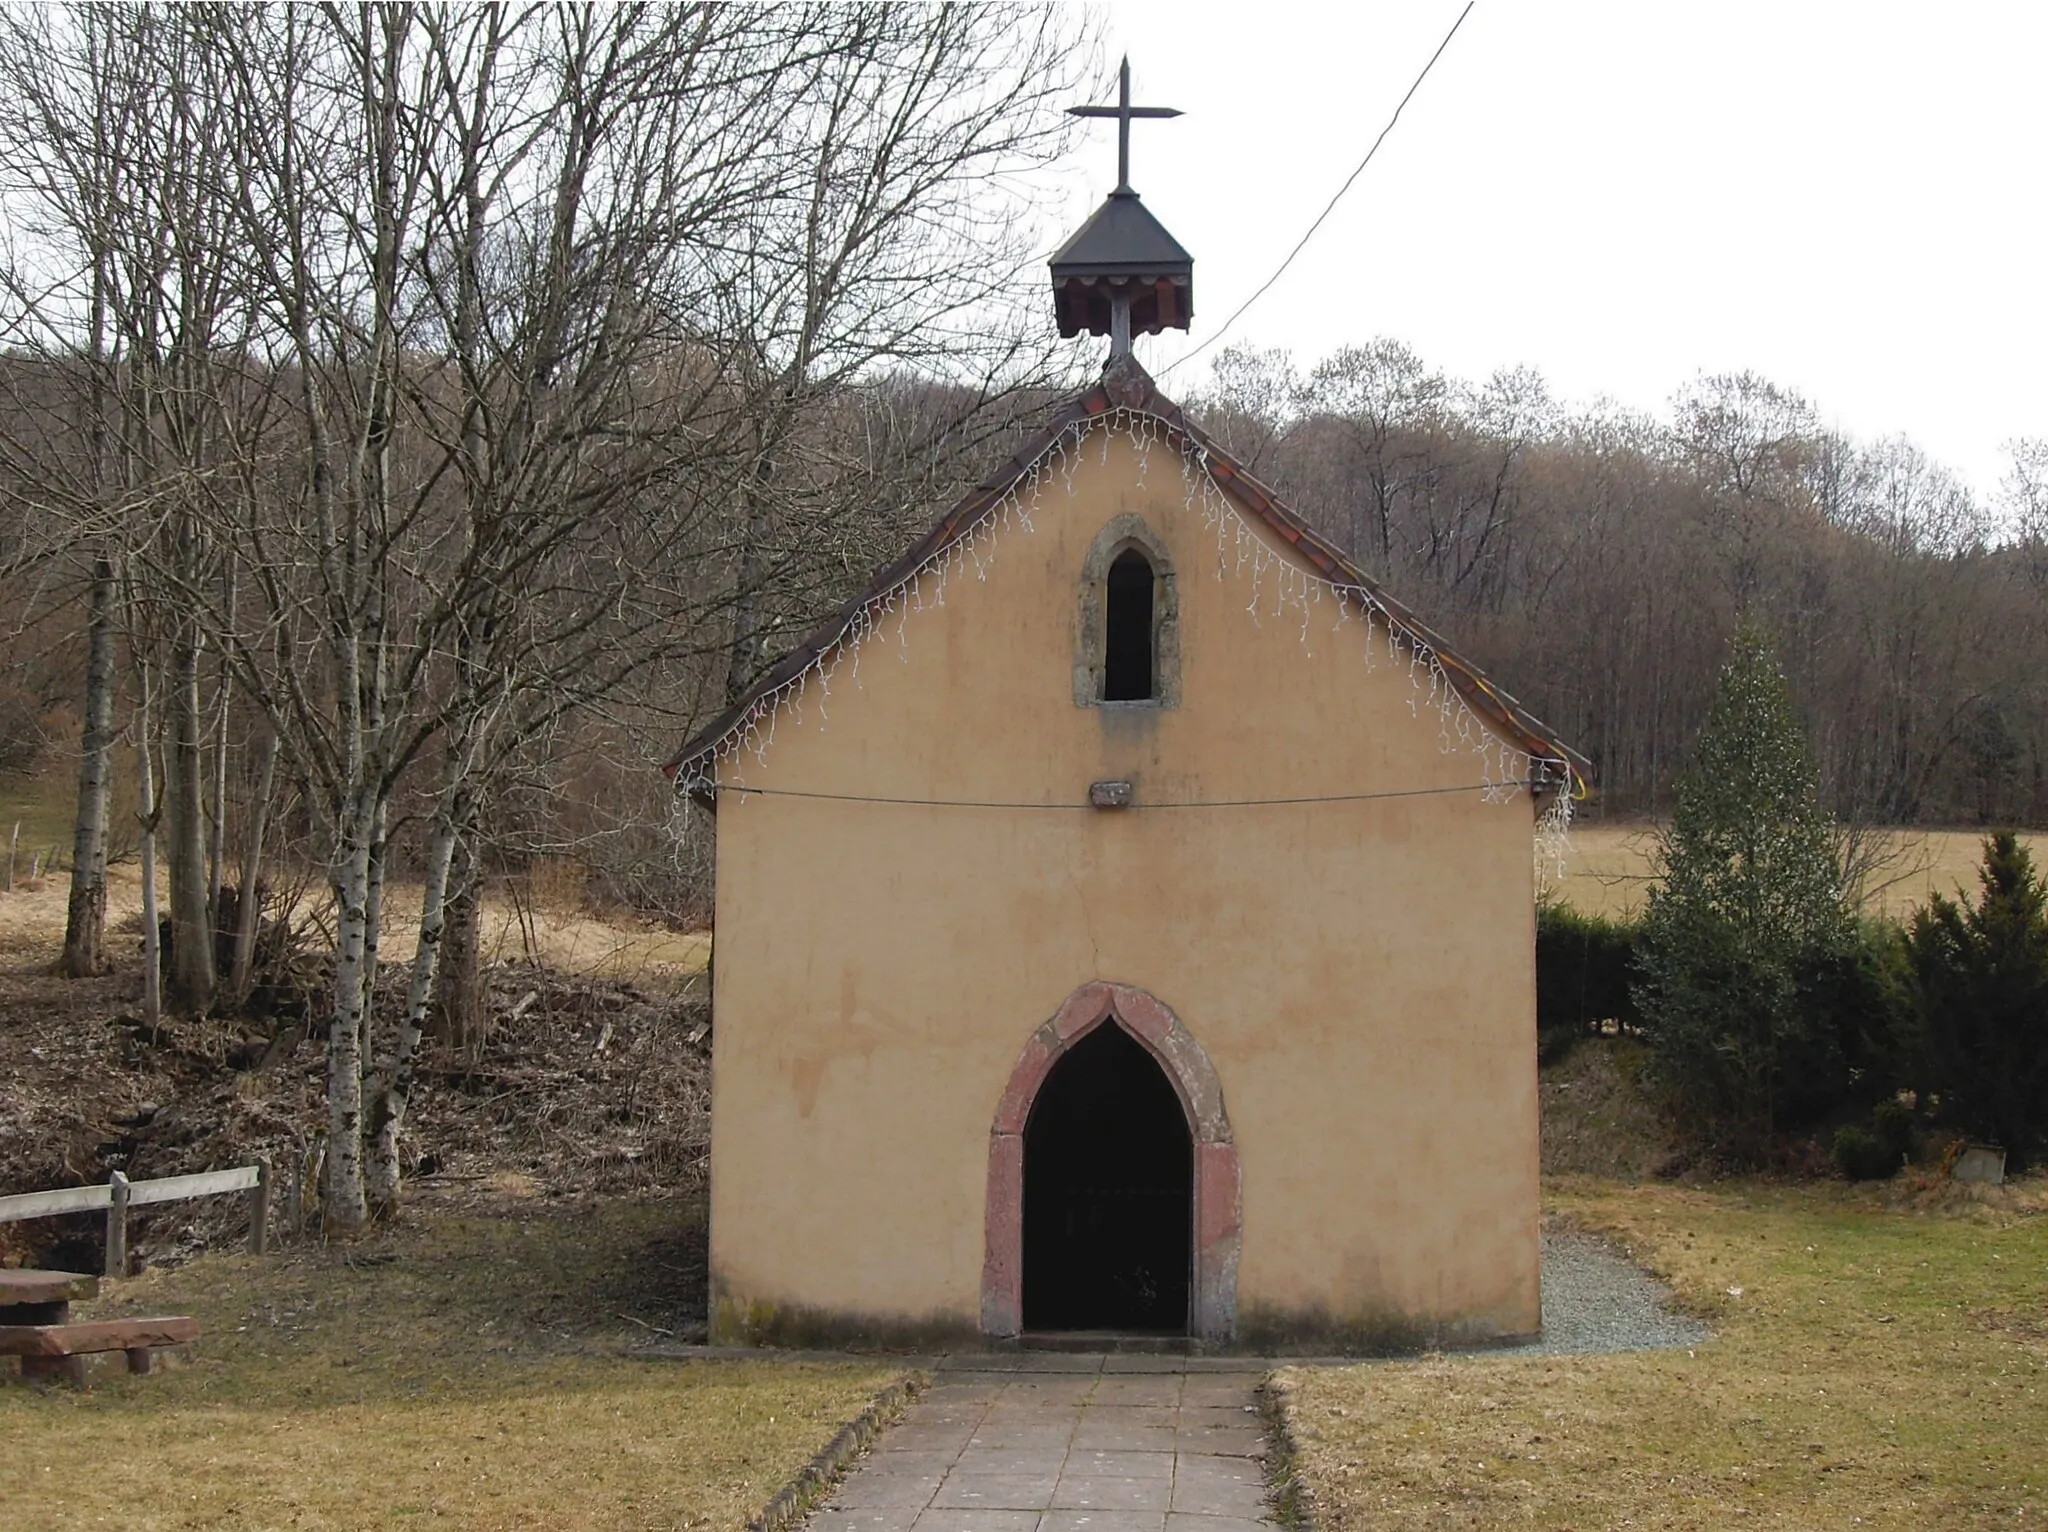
[(581, 1086)]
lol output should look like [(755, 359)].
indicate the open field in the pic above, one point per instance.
[(42, 807), (465, 1372), (1610, 868), (549, 928), (1881, 1361)]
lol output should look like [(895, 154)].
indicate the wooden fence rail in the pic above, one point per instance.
[(120, 1194)]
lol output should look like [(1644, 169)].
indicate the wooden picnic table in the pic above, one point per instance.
[(30, 1297), (42, 1297), (36, 1325)]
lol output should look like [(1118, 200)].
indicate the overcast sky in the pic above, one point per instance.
[(1848, 199)]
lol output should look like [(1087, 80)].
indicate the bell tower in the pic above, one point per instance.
[(1121, 274)]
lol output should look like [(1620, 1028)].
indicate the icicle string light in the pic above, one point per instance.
[(1277, 588)]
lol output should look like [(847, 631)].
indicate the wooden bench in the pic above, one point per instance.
[(48, 1351)]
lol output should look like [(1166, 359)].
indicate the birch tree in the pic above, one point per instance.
[(114, 154)]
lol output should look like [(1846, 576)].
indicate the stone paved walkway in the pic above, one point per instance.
[(1062, 1443)]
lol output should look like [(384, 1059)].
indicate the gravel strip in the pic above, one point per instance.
[(1595, 1299)]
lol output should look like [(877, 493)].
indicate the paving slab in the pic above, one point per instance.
[(1124, 1412), (1212, 1498), (1025, 1435), (1059, 1361), (1102, 1521), (957, 1520), (1066, 1442), (1237, 1442), (1012, 1460), (1121, 1465), (945, 1436), (1115, 1436), (1140, 1362), (952, 1520), (1085, 1493), (888, 1492), (994, 1491), (1198, 1413), (834, 1519), (911, 1460), (1206, 1387), (1141, 1391)]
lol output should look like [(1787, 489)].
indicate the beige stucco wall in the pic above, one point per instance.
[(1361, 975)]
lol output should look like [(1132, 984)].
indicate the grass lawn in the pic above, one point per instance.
[(1874, 1366), (462, 1373)]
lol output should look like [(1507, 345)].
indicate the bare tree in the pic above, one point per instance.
[(466, 329), (1597, 562)]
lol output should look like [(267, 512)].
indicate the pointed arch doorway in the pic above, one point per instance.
[(1057, 1254)]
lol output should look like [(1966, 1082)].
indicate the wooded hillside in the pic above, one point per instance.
[(1595, 562)]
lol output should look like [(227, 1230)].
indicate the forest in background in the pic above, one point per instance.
[(1595, 562), (415, 422)]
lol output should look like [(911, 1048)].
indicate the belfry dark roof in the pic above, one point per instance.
[(1121, 239), (1126, 385), (1123, 249)]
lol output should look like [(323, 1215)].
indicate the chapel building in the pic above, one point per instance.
[(1124, 919)]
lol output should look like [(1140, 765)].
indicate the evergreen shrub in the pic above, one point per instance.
[(1857, 997), (1861, 1155), (1980, 991), (1748, 913), (1876, 1152), (1585, 972)]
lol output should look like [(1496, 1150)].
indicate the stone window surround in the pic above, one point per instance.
[(1090, 633), (1218, 1192)]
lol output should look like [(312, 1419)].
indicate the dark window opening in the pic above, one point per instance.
[(1109, 1193), (1127, 636)]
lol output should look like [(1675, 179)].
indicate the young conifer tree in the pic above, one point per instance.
[(1981, 993), (1750, 901)]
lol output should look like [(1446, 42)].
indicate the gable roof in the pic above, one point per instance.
[(1126, 385)]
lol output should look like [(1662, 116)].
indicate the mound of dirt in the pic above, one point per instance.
[(1598, 1120), (584, 1086)]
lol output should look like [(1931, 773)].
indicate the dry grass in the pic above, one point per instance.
[(617, 947), (1610, 868), (1598, 1119), (465, 1372), (42, 806), (1877, 1365)]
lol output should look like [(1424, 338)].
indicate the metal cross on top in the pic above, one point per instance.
[(1123, 112)]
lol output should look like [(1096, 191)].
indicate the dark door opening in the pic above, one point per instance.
[(1108, 1193)]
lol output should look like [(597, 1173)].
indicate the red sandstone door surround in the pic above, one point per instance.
[(1218, 1190)]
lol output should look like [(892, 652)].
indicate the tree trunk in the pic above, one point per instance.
[(457, 1007), (344, 1211), (152, 946), (373, 935), (85, 918), (217, 810), (249, 909), (392, 1088), (192, 976)]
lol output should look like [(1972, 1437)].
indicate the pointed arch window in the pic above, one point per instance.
[(1128, 670), (1127, 651)]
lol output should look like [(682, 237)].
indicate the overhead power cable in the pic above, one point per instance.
[(1321, 217), (737, 790)]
